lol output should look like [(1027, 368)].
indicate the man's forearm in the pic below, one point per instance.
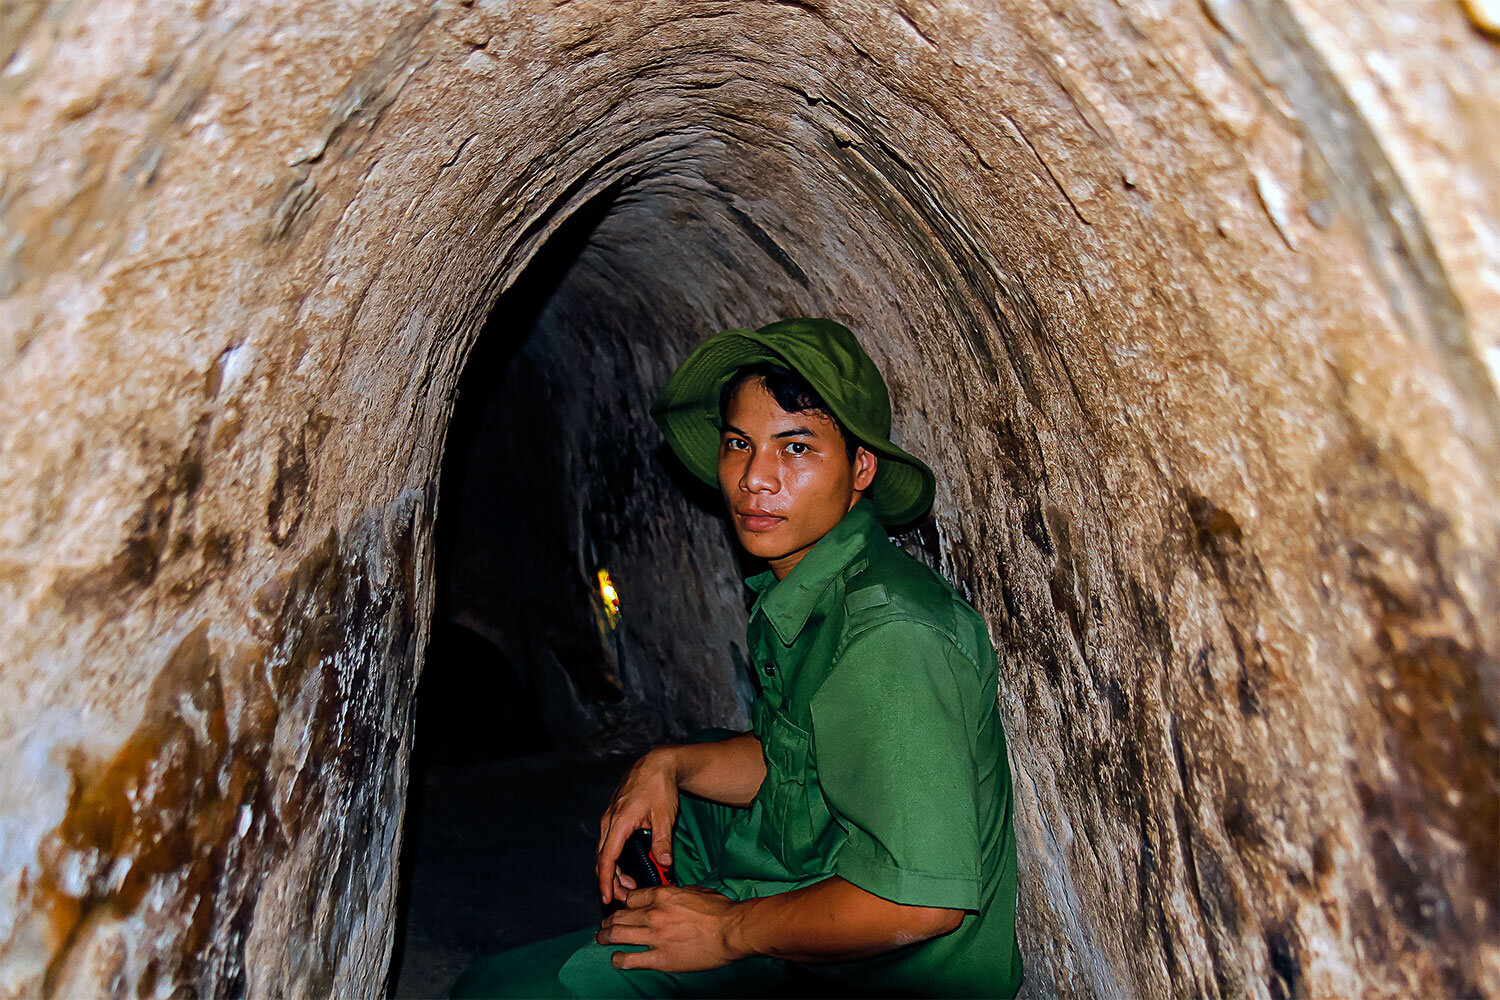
[(831, 921), (728, 770)]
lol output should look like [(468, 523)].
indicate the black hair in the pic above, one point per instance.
[(792, 393)]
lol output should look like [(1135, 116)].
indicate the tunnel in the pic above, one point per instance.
[(554, 475), (549, 432), (327, 337)]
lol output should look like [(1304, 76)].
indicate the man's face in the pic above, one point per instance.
[(785, 477)]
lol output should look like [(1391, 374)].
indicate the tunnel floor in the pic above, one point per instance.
[(497, 855)]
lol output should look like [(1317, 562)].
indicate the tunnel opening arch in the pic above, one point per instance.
[(647, 252), (551, 469)]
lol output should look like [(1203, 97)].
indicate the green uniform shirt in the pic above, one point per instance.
[(885, 759)]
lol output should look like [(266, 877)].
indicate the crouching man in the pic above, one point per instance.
[(858, 838)]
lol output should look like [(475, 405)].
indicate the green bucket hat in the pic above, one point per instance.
[(827, 355)]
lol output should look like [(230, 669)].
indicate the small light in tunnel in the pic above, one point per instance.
[(611, 597)]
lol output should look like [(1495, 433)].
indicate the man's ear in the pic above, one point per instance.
[(865, 464)]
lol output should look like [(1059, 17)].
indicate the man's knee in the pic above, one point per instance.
[(590, 972), (527, 971)]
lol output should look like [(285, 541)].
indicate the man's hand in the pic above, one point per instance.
[(645, 799), (685, 927)]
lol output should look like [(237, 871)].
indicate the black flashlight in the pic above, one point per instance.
[(637, 861)]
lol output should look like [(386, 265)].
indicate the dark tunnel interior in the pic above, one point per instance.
[(556, 490), (537, 692)]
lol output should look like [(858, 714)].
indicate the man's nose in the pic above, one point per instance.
[(760, 472)]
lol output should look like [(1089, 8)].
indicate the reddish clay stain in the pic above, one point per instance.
[(153, 807), (189, 806)]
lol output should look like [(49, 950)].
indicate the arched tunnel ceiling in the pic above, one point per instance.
[(1187, 306)]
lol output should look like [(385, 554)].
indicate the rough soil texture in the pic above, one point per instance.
[(1192, 307)]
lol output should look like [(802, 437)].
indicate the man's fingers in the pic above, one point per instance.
[(604, 866), (626, 918), (619, 888), (609, 856), (636, 959), (623, 934), (641, 897), (661, 841)]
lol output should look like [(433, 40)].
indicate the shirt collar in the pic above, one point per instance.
[(788, 602)]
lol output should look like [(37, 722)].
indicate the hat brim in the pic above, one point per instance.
[(687, 411)]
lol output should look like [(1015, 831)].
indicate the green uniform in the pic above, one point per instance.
[(885, 764)]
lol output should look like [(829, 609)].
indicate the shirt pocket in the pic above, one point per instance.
[(794, 826)]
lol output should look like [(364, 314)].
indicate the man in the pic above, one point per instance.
[(858, 837)]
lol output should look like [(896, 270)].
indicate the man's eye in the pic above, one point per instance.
[(733, 443), (797, 444)]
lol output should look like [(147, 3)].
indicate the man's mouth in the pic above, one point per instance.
[(759, 521)]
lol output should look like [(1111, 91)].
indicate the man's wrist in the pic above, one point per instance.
[(737, 927), (669, 760)]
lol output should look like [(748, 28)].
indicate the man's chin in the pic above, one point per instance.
[(760, 544)]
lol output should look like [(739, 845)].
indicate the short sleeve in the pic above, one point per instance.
[(896, 763)]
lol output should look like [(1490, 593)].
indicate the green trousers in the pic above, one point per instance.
[(575, 965)]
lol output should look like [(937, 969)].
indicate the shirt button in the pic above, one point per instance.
[(770, 669)]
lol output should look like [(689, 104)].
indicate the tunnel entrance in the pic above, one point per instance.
[(534, 698), (538, 690)]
